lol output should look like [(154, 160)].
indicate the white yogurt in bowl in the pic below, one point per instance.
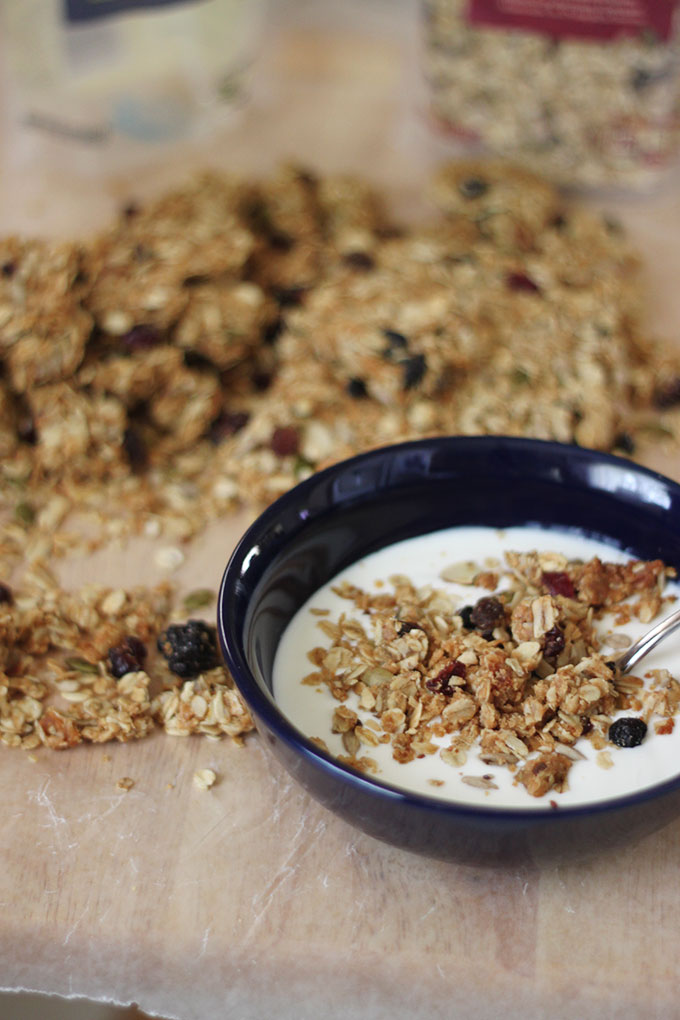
[(600, 774)]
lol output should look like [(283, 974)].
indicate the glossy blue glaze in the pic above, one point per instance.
[(358, 506)]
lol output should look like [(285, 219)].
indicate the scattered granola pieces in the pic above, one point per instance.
[(125, 784), (204, 779)]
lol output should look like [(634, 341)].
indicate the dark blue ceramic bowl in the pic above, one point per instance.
[(360, 505)]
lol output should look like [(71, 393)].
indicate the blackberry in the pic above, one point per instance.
[(127, 657), (190, 648), (628, 732)]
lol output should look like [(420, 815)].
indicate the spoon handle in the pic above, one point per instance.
[(648, 641)]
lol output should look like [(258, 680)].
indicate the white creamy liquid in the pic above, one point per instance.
[(422, 559)]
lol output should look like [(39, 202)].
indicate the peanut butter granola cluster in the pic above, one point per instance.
[(518, 675), (216, 345)]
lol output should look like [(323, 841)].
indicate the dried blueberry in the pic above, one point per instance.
[(624, 442), (190, 648), (135, 450), (228, 424), (628, 732), (487, 614), (127, 657), (414, 369), (466, 616), (141, 338), (395, 342), (359, 260), (356, 388), (473, 187)]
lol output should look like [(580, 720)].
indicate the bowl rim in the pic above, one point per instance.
[(264, 705)]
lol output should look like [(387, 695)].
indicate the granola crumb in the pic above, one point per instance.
[(125, 784), (204, 779)]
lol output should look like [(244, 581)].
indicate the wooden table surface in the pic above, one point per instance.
[(251, 900)]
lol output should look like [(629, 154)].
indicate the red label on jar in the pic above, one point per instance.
[(589, 19)]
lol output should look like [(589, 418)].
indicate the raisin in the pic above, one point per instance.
[(414, 369), (554, 642), (473, 187), (127, 657), (440, 683), (628, 732), (558, 583), (190, 648), (359, 260), (6, 596), (487, 614), (356, 388), (228, 424), (285, 441), (141, 338), (135, 450), (522, 282)]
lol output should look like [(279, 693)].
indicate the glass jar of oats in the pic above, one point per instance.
[(585, 91)]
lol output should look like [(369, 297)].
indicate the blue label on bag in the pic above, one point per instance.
[(90, 10)]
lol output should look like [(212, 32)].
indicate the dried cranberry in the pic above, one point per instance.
[(554, 642), (127, 657), (440, 683), (228, 424), (356, 388), (628, 732), (359, 260), (522, 282), (414, 369), (285, 441), (141, 338), (487, 614), (558, 583), (6, 594), (135, 450)]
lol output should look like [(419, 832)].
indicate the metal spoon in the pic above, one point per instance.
[(650, 640)]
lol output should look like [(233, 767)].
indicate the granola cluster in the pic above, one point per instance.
[(63, 681), (214, 346), (519, 675)]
